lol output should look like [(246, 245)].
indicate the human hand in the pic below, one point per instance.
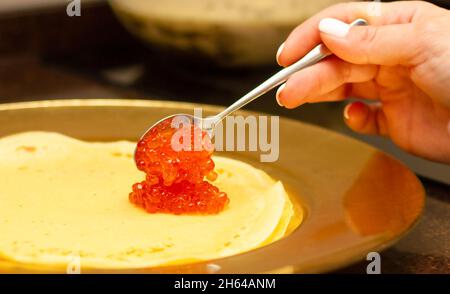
[(402, 60)]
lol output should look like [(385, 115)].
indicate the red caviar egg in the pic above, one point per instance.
[(176, 160), (180, 198)]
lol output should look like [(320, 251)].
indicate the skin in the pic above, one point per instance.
[(401, 61)]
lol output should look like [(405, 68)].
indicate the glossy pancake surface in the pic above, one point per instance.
[(61, 197)]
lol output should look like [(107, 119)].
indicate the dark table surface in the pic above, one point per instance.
[(46, 55)]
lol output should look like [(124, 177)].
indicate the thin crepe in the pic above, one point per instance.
[(61, 198)]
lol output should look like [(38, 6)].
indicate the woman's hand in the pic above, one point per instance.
[(402, 60)]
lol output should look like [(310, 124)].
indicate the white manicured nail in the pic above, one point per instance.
[(347, 107), (334, 27), (280, 49), (278, 94)]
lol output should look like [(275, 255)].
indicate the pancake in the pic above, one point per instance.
[(61, 197)]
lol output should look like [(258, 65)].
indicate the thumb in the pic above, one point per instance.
[(382, 45)]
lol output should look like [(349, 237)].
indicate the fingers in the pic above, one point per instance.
[(306, 36), (367, 90), (314, 84), (382, 45), (366, 119)]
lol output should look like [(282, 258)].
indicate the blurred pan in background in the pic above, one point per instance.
[(229, 32)]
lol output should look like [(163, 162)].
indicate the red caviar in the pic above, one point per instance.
[(176, 158)]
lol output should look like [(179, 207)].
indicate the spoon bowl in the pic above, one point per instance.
[(206, 124)]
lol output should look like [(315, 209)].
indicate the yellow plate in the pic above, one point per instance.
[(356, 199)]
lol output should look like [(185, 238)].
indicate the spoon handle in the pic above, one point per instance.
[(315, 55)]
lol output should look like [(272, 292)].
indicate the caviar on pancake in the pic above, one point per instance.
[(175, 177)]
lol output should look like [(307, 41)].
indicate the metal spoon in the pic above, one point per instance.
[(312, 57)]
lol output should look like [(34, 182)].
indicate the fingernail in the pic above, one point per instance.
[(334, 27), (277, 96), (346, 116), (280, 49)]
